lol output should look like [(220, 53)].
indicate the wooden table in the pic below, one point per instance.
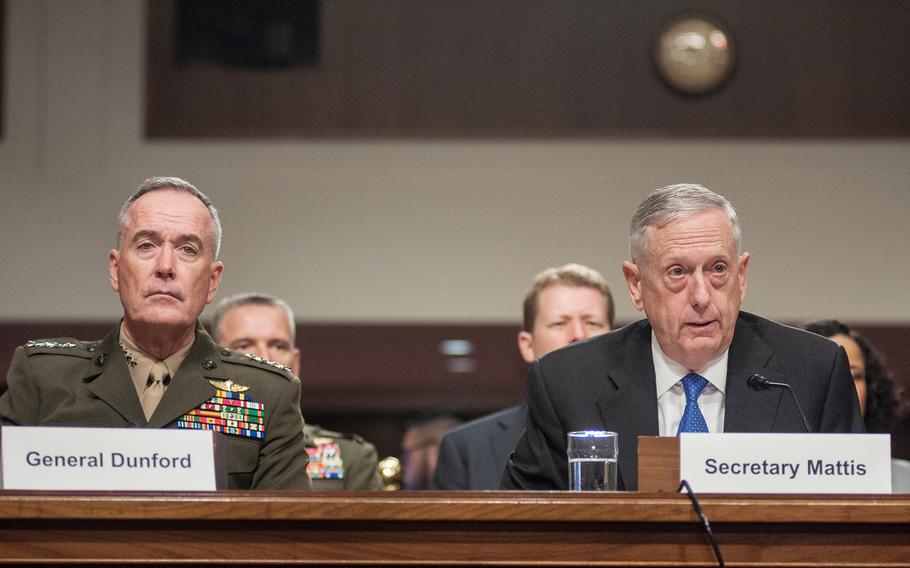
[(453, 529)]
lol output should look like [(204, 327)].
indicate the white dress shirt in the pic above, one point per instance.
[(671, 399)]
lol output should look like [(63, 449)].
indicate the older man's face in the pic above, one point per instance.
[(164, 271), (260, 330), (690, 285)]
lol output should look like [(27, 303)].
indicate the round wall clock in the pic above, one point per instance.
[(694, 54)]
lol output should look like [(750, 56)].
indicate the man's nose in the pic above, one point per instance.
[(700, 294), (164, 263), (259, 350), (577, 330)]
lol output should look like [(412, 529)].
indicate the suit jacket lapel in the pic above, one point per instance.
[(745, 409), (110, 380), (511, 425), (190, 387), (629, 403)]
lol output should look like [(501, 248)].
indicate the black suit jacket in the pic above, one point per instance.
[(607, 383), (474, 455)]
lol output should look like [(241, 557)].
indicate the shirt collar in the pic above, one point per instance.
[(144, 362), (668, 372)]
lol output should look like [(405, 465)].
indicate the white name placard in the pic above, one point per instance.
[(126, 459), (786, 463)]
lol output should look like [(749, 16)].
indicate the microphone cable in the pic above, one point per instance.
[(704, 521)]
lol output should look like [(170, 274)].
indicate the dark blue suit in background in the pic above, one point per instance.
[(474, 455)]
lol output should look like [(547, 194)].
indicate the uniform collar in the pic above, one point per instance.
[(140, 363)]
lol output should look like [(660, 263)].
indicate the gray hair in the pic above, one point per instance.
[(570, 274), (667, 204), (176, 183), (251, 299)]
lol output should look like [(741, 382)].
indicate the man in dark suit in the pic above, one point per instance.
[(158, 368), (564, 305), (685, 367)]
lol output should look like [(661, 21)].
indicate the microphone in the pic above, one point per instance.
[(759, 383)]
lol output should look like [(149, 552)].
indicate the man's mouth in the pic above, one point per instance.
[(163, 293)]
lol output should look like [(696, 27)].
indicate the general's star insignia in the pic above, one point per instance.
[(50, 344), (263, 361)]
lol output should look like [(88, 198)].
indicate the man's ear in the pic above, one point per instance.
[(743, 266), (112, 259), (214, 280), (632, 274), (295, 362), (526, 346)]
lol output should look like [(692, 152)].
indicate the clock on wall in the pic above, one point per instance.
[(694, 54)]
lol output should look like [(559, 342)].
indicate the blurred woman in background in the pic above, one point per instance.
[(874, 388)]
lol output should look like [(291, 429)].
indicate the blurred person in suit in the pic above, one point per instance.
[(264, 326), (564, 305), (685, 367), (158, 368), (874, 387)]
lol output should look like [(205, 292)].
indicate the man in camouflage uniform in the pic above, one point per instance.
[(263, 325), (159, 368)]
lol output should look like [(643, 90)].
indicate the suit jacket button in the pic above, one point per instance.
[(225, 352), (208, 365), (92, 348)]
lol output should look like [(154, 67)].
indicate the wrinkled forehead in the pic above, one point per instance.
[(703, 227), (255, 320), (170, 210)]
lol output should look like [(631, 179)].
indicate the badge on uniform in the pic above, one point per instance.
[(325, 460), (228, 385), (229, 412)]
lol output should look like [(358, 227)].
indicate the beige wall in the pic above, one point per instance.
[(408, 230)]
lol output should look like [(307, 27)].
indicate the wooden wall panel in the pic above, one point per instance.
[(547, 68)]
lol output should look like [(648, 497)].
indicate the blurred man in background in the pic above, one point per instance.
[(564, 305), (264, 326)]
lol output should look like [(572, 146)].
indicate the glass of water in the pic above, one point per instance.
[(592, 460)]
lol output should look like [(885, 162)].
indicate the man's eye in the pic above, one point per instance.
[(281, 346), (187, 249), (594, 324), (719, 268), (144, 246), (239, 345), (557, 324), (676, 271)]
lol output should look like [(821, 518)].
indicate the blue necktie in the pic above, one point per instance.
[(692, 418)]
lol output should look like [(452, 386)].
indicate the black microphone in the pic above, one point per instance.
[(759, 383)]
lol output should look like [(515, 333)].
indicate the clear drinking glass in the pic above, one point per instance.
[(592, 460)]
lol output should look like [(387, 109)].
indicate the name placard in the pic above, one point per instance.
[(786, 463), (126, 459)]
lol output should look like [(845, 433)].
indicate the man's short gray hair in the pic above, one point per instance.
[(667, 204), (176, 183), (251, 299)]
